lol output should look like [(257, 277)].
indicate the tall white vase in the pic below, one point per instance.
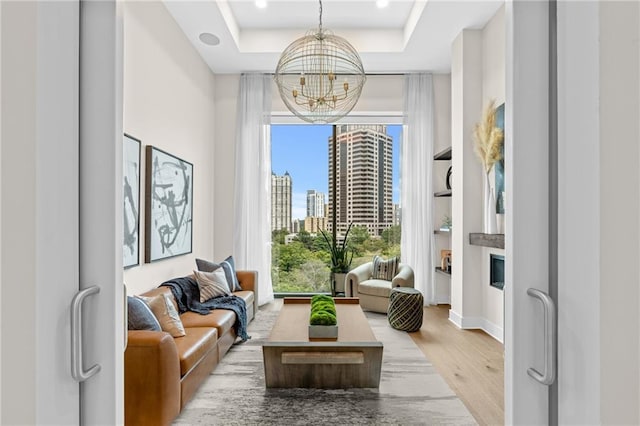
[(490, 220)]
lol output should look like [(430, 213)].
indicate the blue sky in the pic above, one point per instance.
[(303, 151)]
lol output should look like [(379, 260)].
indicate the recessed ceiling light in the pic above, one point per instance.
[(210, 39), (382, 3), (261, 4)]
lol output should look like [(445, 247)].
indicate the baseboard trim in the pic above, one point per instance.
[(493, 330), (455, 318), (477, 323)]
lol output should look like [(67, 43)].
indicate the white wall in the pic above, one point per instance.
[(466, 105), (478, 75), (169, 103), (226, 88), (619, 211), (493, 59), (493, 87), (381, 95), (441, 205)]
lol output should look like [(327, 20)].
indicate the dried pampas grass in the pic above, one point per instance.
[(488, 138)]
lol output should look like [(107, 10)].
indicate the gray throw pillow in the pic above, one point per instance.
[(227, 265), (140, 317)]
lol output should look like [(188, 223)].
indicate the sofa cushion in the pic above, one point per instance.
[(212, 284), (380, 288), (139, 315), (194, 345), (221, 319), (227, 265), (165, 311), (249, 298), (384, 269)]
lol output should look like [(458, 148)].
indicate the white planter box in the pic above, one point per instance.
[(328, 332)]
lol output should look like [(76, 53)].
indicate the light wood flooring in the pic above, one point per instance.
[(470, 361)]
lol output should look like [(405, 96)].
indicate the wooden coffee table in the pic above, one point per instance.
[(292, 361)]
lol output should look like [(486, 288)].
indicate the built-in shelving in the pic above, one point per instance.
[(442, 271), (486, 240), (443, 155), (446, 193)]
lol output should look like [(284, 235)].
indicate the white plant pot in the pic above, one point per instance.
[(490, 220), (337, 286)]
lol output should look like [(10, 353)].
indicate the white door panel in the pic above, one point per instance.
[(527, 239), (101, 208), (61, 209), (578, 214), (56, 208)]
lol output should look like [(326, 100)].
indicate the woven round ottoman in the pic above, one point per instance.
[(405, 309)]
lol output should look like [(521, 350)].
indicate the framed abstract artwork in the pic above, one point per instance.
[(499, 166), (131, 198), (169, 205)]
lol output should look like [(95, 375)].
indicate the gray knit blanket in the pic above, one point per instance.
[(187, 294)]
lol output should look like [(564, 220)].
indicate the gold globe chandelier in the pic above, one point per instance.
[(320, 76)]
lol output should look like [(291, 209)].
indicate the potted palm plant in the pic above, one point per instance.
[(341, 257)]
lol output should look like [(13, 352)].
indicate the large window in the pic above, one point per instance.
[(366, 196)]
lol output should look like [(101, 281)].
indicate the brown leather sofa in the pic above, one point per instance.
[(162, 372)]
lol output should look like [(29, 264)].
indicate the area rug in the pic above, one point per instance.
[(411, 392)]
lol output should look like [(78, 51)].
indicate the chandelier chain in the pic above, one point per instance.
[(320, 26)]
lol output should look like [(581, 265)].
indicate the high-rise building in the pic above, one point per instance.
[(364, 177), (397, 214), (281, 202), (313, 225), (299, 225), (315, 203)]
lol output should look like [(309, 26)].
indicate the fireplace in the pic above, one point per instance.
[(496, 277)]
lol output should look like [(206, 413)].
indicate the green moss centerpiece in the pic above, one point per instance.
[(323, 323)]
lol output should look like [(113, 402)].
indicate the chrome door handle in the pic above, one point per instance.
[(77, 371), (548, 376)]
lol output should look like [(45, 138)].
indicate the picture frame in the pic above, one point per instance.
[(168, 205), (131, 147)]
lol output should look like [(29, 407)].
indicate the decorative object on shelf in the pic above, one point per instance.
[(449, 178), (341, 257), (169, 201), (445, 260), (131, 196), (488, 138), (320, 76), (323, 322), (446, 223)]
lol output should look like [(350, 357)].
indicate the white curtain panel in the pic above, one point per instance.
[(416, 183), (252, 203)]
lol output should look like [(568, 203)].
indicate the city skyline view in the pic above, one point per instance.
[(302, 151)]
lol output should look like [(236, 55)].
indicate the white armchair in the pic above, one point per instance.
[(373, 293)]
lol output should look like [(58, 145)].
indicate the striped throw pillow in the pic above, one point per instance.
[(384, 269), (212, 284)]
